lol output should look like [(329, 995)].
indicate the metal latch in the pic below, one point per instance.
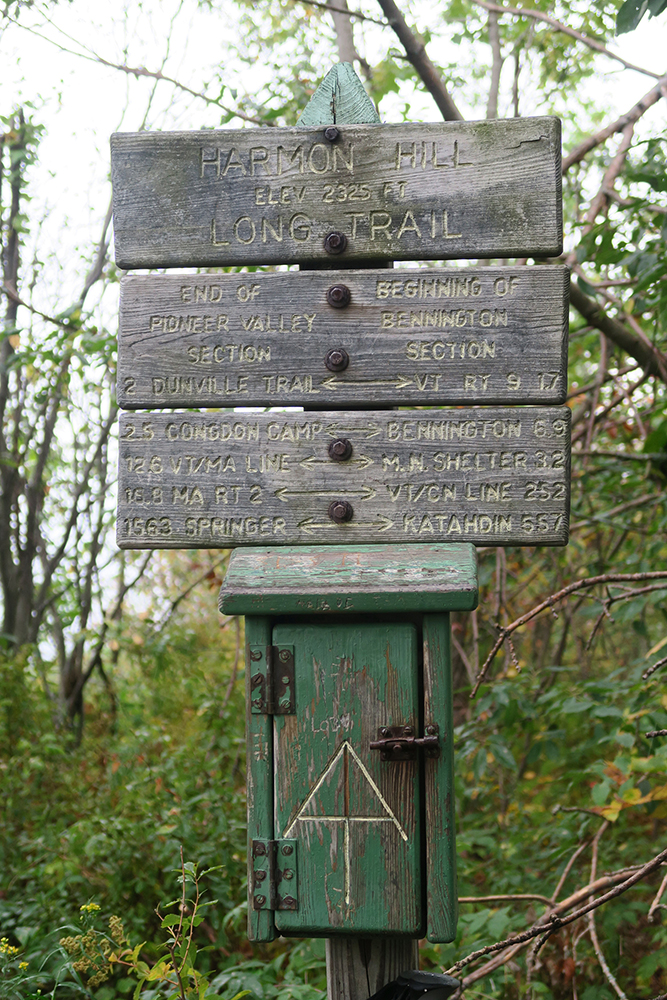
[(274, 863), (400, 742), (271, 680)]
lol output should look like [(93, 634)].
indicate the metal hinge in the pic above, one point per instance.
[(271, 680), (274, 875)]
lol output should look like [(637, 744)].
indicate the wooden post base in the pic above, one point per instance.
[(358, 967)]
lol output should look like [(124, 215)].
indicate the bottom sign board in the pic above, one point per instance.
[(486, 475)]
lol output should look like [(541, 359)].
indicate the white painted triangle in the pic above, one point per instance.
[(350, 808)]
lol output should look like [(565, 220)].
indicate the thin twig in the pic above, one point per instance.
[(651, 456), (344, 10), (567, 870), (592, 930), (505, 899), (656, 904), (559, 26), (138, 71), (655, 732), (651, 670), (549, 602)]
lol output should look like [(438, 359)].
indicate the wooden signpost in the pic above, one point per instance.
[(348, 666)]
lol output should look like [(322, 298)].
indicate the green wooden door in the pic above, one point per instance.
[(356, 818)]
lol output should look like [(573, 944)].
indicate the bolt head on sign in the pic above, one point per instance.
[(409, 191)]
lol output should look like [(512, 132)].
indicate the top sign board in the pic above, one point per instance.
[(410, 191)]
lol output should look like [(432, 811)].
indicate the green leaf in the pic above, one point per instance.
[(629, 15), (600, 793)]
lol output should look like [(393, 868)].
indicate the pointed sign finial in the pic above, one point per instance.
[(339, 100)]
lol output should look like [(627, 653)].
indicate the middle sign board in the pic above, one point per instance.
[(357, 339)]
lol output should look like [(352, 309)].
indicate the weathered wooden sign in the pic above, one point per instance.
[(491, 476), (356, 338), (411, 191)]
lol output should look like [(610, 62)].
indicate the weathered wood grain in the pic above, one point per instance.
[(340, 99), (356, 818), (350, 579), (410, 191), (489, 476), (441, 895), (427, 336), (259, 767), (355, 965)]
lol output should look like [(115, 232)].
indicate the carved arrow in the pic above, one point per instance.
[(335, 382), (367, 493), (310, 525), (362, 461), (369, 430)]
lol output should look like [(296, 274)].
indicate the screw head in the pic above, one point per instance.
[(288, 874), (384, 731), (284, 655), (340, 511), (335, 242), (340, 450), (430, 730), (408, 730), (259, 876), (259, 850), (287, 849), (255, 654), (331, 133), (337, 360), (260, 900), (339, 296)]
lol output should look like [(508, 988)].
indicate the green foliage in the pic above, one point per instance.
[(631, 12)]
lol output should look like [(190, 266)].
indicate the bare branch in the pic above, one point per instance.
[(633, 115), (344, 10), (554, 921), (549, 602), (496, 66), (416, 53), (343, 28), (652, 360), (559, 26), (656, 732)]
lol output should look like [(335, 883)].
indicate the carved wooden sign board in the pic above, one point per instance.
[(403, 192), (490, 476), (361, 338)]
